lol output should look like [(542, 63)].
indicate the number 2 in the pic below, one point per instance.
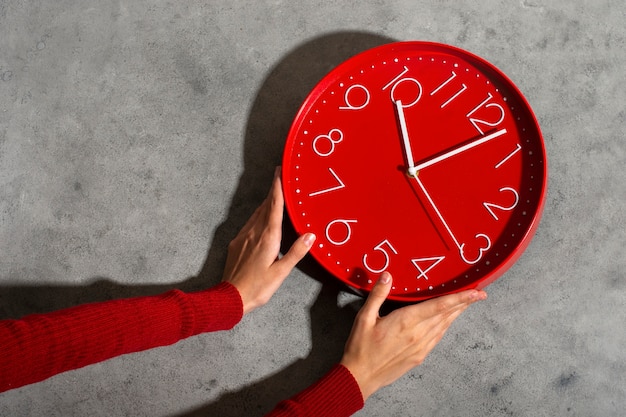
[(491, 206)]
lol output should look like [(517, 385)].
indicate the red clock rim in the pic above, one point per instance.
[(478, 62)]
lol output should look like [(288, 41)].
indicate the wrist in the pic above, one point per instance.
[(361, 375), (242, 304)]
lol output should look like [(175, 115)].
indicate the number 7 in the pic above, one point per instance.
[(327, 190)]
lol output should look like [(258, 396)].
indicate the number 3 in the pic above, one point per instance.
[(481, 250)]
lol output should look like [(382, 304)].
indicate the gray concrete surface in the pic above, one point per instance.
[(137, 136)]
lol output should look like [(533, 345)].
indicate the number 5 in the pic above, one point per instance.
[(380, 248)]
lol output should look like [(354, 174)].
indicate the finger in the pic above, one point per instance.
[(270, 212), (245, 230), (440, 328), (448, 303), (259, 212), (377, 296), (436, 326), (295, 254), (441, 322), (276, 201)]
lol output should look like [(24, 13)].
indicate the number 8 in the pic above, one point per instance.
[(332, 141)]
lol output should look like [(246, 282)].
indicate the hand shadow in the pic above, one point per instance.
[(275, 106), (330, 326)]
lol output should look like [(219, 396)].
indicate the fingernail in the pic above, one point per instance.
[(277, 172), (385, 278), (309, 238), (479, 296)]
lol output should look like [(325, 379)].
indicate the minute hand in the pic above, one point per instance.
[(460, 150)]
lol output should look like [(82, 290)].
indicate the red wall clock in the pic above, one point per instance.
[(417, 158)]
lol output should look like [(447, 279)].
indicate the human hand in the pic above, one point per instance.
[(253, 265), (382, 349)]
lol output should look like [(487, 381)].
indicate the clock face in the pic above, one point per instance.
[(420, 159)]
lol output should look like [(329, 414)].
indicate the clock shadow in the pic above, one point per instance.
[(275, 106), (273, 110)]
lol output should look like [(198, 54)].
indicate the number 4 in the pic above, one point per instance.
[(430, 263)]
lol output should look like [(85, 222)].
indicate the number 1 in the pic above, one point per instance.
[(509, 156), (451, 99)]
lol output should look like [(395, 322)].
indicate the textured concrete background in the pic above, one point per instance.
[(136, 137)]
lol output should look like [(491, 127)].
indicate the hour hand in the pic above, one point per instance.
[(411, 169)]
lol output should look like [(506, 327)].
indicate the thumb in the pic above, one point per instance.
[(377, 296), (295, 254)]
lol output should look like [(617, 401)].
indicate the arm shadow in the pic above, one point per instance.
[(276, 103)]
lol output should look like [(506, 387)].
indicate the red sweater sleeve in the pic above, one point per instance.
[(336, 394), (42, 345)]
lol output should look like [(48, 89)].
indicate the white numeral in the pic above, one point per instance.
[(380, 248), (458, 93), (347, 230), (390, 83), (476, 122), (491, 206), (327, 190), (397, 81), (430, 262), (509, 156), (481, 250), (351, 106), (333, 137)]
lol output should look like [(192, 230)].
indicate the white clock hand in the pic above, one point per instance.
[(460, 246), (432, 204), (460, 149), (411, 169)]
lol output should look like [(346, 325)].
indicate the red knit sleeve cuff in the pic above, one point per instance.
[(216, 308), (335, 394)]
